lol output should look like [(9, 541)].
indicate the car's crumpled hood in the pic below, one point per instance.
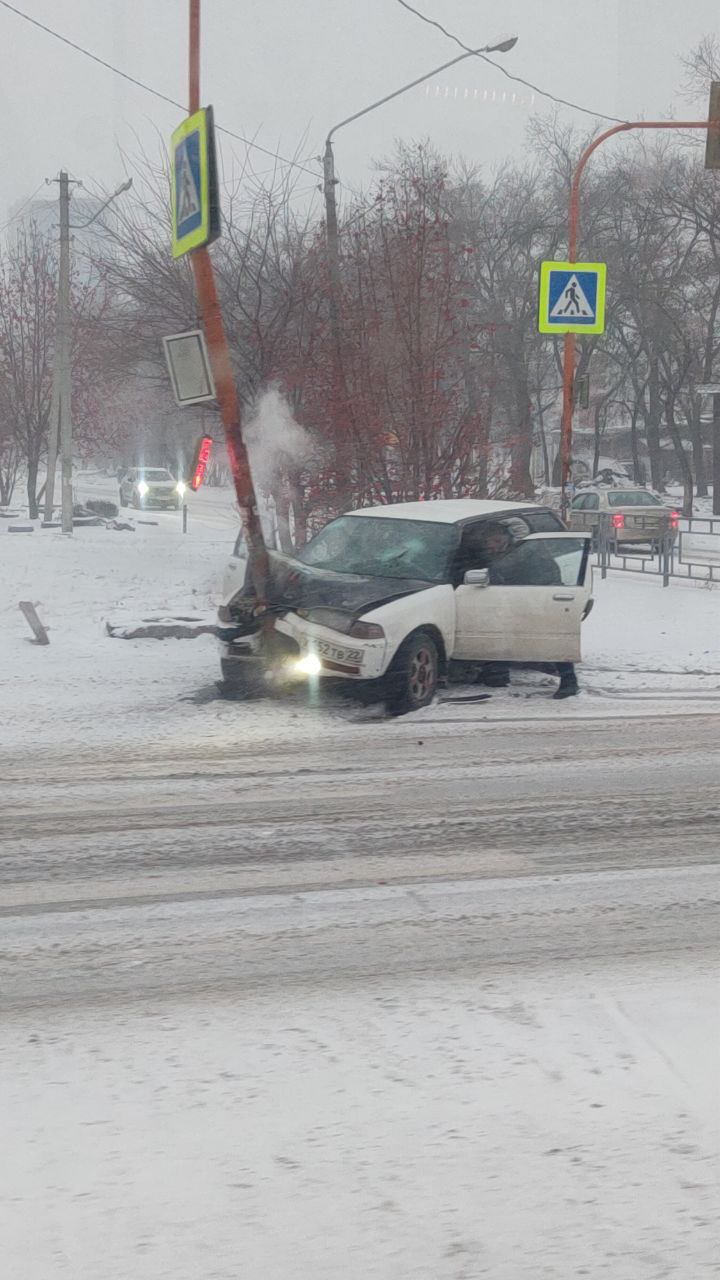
[(294, 585)]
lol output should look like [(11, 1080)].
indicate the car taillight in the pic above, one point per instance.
[(618, 520), (674, 519)]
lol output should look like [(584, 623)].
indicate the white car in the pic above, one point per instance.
[(235, 569), (391, 595), (144, 487)]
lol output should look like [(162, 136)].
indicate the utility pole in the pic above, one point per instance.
[(716, 455), (53, 438), (63, 364), (331, 232), (61, 425)]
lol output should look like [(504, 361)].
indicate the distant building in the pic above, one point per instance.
[(86, 241)]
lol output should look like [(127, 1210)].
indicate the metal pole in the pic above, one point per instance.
[(220, 358), (65, 376), (53, 438), (331, 221), (716, 455), (573, 221)]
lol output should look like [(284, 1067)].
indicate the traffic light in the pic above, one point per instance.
[(712, 144), (200, 461)]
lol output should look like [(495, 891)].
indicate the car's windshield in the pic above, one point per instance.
[(632, 498), (157, 474), (379, 547)]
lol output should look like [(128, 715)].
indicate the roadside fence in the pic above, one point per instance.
[(689, 550)]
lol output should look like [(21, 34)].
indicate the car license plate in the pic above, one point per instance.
[(352, 657)]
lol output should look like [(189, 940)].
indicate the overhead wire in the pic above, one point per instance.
[(157, 93), (22, 208), (543, 93)]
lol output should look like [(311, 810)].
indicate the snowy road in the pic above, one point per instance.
[(408, 1007)]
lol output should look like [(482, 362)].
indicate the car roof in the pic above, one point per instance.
[(614, 488), (445, 510)]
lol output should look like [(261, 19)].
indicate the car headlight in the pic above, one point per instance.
[(142, 488), (180, 487), (310, 665), (366, 631), (337, 620)]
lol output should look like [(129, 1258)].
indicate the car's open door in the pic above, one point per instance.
[(532, 605)]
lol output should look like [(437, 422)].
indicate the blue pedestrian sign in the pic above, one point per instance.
[(572, 297), (194, 188)]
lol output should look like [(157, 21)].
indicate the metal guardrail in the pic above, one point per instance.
[(691, 551)]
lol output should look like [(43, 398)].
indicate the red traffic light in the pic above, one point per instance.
[(200, 461)]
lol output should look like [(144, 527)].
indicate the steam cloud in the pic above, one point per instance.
[(274, 440)]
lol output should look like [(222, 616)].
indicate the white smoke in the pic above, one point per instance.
[(274, 440)]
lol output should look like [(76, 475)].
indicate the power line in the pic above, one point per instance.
[(543, 93), (22, 208), (140, 84)]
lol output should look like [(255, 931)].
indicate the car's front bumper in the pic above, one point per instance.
[(339, 655), (292, 640)]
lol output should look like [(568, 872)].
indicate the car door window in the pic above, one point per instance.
[(592, 502), (548, 562), (580, 503)]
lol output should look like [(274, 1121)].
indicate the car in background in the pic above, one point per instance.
[(143, 487), (631, 514), (389, 596)]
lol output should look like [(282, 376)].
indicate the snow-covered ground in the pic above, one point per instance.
[(509, 1124), (646, 647)]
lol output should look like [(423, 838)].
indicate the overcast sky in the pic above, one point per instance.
[(278, 69)]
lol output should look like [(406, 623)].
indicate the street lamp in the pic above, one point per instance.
[(331, 221), (329, 179)]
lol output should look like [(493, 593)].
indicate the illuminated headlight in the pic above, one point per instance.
[(180, 487), (310, 665), (142, 488)]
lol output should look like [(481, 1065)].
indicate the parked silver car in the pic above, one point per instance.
[(631, 514)]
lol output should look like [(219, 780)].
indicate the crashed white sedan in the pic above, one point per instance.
[(390, 596)]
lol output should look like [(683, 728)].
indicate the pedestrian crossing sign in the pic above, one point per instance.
[(572, 297), (193, 185)]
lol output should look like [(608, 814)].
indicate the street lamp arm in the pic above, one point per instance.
[(602, 137), (471, 53), (79, 226)]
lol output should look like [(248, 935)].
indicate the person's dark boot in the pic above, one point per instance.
[(568, 686)]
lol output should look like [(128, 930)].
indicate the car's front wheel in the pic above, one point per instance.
[(412, 680)]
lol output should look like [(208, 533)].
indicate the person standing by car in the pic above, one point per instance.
[(511, 562)]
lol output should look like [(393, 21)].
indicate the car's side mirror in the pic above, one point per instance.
[(477, 578)]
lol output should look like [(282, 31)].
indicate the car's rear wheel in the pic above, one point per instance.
[(412, 680)]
